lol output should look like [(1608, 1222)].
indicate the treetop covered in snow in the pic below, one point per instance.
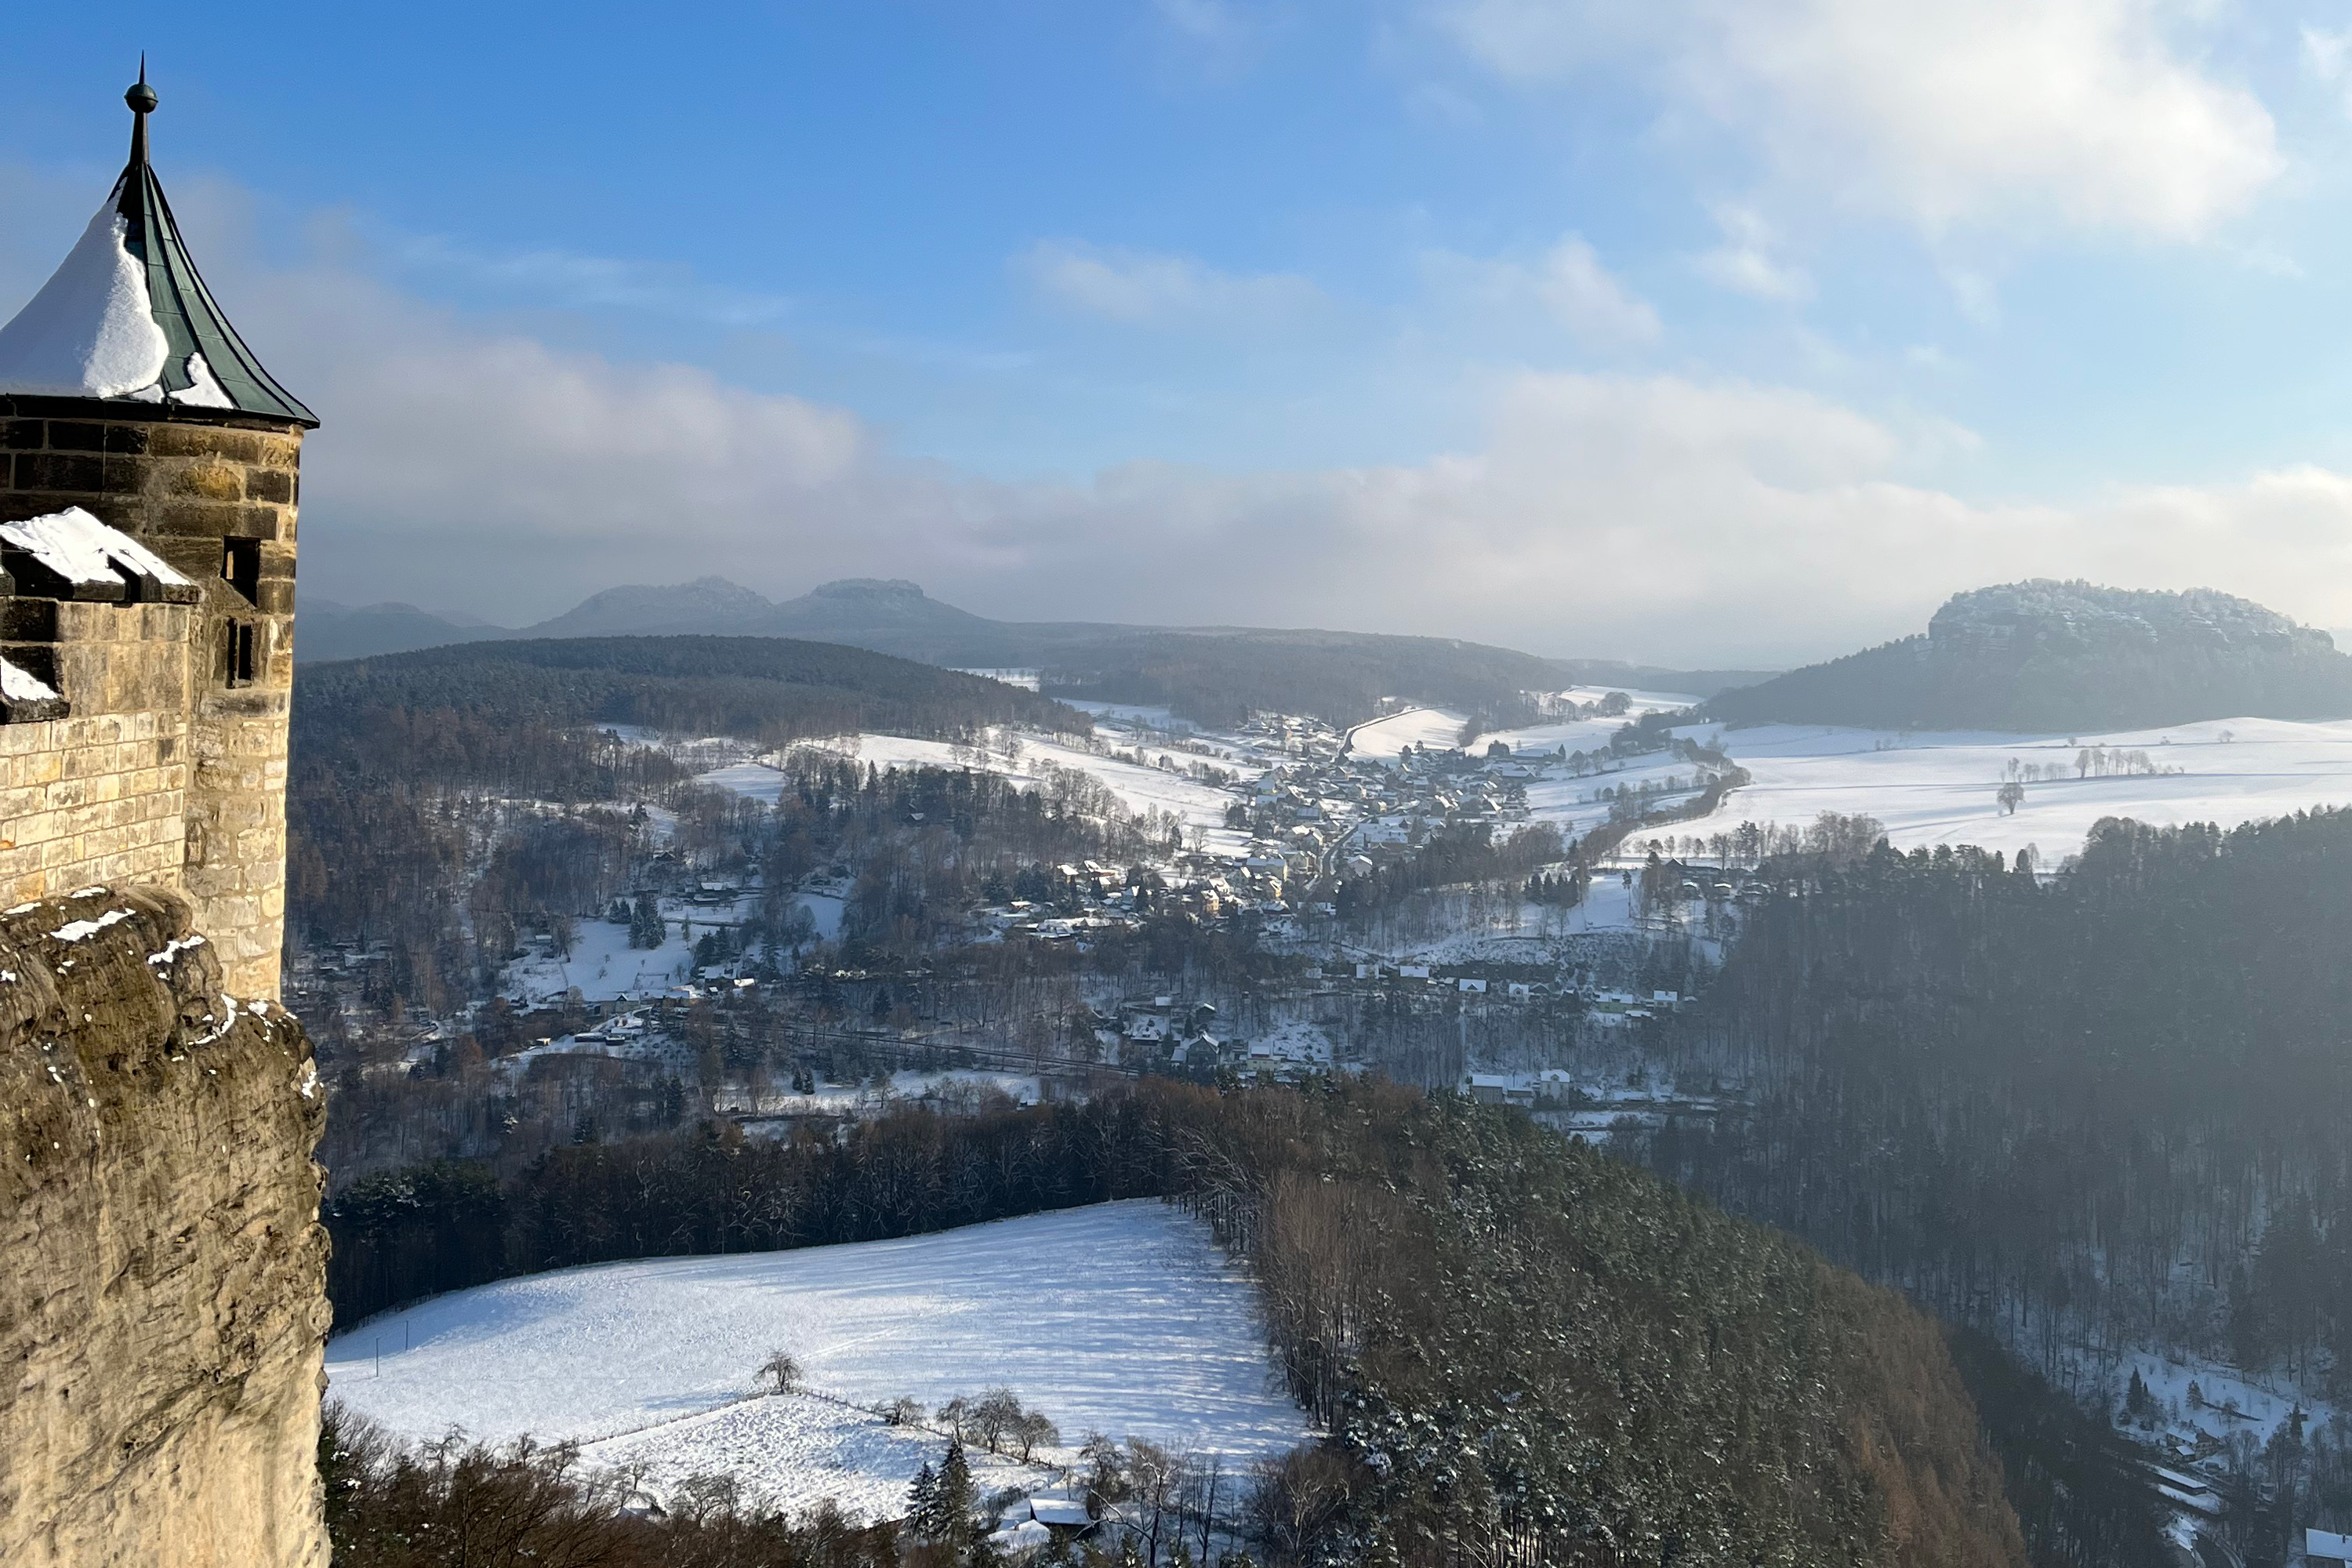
[(126, 316)]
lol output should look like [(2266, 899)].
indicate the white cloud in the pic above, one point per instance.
[(466, 467), (1588, 300), (1148, 287), (2093, 113), (2328, 55), (1568, 283), (1637, 516), (1745, 262)]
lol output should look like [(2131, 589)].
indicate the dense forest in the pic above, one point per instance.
[(1524, 1351), (2086, 1114), (1221, 678), (2067, 658), (1211, 675), (767, 689)]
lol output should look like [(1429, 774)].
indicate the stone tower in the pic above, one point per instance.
[(149, 478)]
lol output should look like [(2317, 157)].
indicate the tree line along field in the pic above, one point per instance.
[(1521, 1349)]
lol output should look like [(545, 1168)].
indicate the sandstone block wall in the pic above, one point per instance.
[(217, 495), (163, 1271), (91, 800)]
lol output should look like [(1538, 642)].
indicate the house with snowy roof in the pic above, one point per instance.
[(149, 478)]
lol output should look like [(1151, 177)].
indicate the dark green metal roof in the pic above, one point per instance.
[(191, 319)]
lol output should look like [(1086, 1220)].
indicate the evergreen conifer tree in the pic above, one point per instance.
[(923, 1501), (956, 1497)]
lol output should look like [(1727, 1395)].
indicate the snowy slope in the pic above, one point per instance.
[(1436, 728), (1122, 1317), (1588, 734), (1196, 804)]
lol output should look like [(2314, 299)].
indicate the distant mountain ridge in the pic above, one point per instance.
[(2049, 656), (1210, 674), (326, 630)]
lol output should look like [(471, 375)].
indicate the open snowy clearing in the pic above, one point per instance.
[(1930, 789), (1575, 805), (603, 967), (1379, 740), (1439, 729), (1124, 1318)]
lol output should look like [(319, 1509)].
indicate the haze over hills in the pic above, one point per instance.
[(2068, 657), (1212, 674)]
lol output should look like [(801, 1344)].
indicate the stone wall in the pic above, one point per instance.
[(163, 1304), (102, 795), (188, 484)]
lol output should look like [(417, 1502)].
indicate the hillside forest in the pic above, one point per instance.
[(2074, 1112)]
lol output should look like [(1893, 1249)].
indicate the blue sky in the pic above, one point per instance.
[(1686, 330)]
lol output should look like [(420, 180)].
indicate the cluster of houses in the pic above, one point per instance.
[(1165, 1034), (1366, 806)]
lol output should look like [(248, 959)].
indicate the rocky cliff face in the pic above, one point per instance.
[(162, 1267)]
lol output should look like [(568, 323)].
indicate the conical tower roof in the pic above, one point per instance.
[(128, 319)]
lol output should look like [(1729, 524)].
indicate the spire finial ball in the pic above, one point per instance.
[(142, 97)]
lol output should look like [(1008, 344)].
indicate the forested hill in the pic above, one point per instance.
[(1214, 675), (769, 689), (2068, 658), (1523, 1351), (2102, 1109), (1220, 677)]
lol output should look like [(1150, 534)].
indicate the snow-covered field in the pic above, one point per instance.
[(1123, 1317), (753, 781), (1573, 804), (1439, 729), (1932, 789), (1382, 739), (603, 965)]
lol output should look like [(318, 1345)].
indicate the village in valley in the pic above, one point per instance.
[(1500, 913), (1285, 838)]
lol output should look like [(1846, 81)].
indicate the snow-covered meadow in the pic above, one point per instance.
[(1123, 1317), (1382, 739), (1930, 789)]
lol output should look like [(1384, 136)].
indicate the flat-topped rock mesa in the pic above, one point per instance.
[(162, 1272), (2016, 620), (2071, 658)]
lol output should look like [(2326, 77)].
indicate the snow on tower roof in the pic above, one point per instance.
[(127, 318), (79, 548)]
